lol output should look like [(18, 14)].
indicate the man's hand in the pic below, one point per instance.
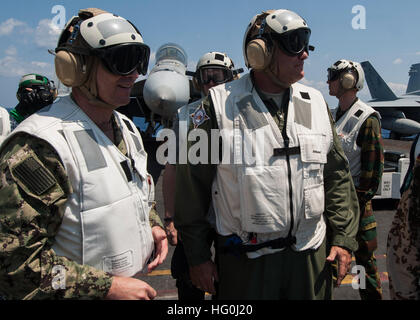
[(161, 248), (343, 258), (171, 233), (130, 289), (204, 275)]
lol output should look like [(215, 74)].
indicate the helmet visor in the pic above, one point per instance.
[(123, 59), (295, 42), (333, 74), (216, 74)]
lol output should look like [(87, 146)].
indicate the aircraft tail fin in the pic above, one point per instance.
[(414, 82), (379, 90)]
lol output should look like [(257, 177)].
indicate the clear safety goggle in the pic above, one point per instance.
[(294, 42), (123, 59), (216, 74)]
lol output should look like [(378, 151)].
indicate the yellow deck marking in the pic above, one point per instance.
[(159, 273)]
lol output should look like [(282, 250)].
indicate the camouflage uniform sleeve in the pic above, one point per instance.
[(372, 159), (154, 219), (193, 196), (33, 189), (341, 204)]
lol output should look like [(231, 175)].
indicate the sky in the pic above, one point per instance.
[(387, 33)]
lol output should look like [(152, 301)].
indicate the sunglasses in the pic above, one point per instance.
[(218, 75), (123, 59), (293, 43)]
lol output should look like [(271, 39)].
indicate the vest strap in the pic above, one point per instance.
[(235, 246), (126, 168), (286, 151)]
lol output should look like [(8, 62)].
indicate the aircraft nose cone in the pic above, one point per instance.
[(161, 98), (164, 97)]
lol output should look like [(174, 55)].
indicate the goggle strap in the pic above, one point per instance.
[(190, 73), (237, 71)]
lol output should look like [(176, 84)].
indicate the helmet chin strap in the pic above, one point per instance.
[(89, 88)]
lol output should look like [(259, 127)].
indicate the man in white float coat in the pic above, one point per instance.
[(282, 217), (77, 204)]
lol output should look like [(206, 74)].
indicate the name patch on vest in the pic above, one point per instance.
[(303, 112), (350, 124), (118, 263), (251, 113), (90, 149)]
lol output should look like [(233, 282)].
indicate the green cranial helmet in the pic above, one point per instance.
[(32, 79)]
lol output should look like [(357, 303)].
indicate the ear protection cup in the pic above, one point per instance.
[(348, 80), (69, 68), (258, 53)]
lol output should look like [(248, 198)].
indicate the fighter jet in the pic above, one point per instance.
[(154, 100), (400, 115), (167, 88)]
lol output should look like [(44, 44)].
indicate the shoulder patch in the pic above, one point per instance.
[(199, 117), (34, 176)]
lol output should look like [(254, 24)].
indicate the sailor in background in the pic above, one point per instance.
[(213, 68), (359, 129), (35, 92)]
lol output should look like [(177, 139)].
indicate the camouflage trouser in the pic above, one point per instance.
[(365, 257), (403, 245)]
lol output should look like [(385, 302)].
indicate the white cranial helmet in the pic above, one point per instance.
[(289, 30), (215, 58), (345, 70)]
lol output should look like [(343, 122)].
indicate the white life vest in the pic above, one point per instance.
[(348, 127), (106, 218), (4, 124), (260, 197)]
